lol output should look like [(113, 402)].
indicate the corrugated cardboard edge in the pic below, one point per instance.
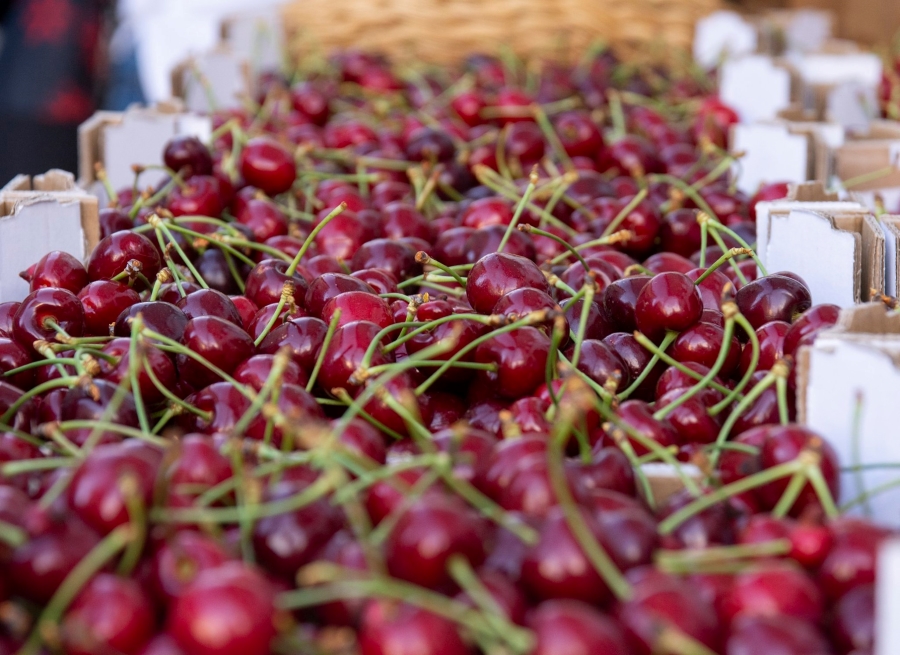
[(855, 324), (57, 185)]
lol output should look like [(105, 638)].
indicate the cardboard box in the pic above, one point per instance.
[(848, 383), (871, 164), (836, 246), (118, 140), (218, 79), (40, 214)]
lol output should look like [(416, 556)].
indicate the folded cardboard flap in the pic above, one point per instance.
[(257, 36), (771, 153), (217, 79), (40, 214), (890, 226), (848, 382)]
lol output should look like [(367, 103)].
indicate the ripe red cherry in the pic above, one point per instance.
[(358, 306), (7, 311), (521, 359), (391, 628), (395, 257), (222, 343), (804, 330), (188, 156), (772, 298), (178, 561), (199, 196), (852, 561), (568, 626), (345, 353), (712, 122), (578, 133), (60, 270), (636, 359), (680, 232), (255, 371), (111, 614), (161, 317), (303, 336), (597, 325), (263, 218), (691, 419), (327, 286), (773, 589), (103, 301), (158, 361), (12, 356), (702, 343), (602, 365), (265, 282), (113, 220), (40, 310), (113, 253), (776, 634), (268, 165), (620, 299), (771, 346), (498, 274), (715, 289), (669, 301), (227, 610), (767, 193), (427, 535), (209, 302), (853, 625)]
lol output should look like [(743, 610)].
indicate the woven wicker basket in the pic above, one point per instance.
[(444, 31)]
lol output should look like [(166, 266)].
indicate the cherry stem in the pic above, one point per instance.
[(49, 385), (592, 548), (48, 621), (326, 342), (520, 207), (826, 499), (668, 360), (170, 264), (684, 561), (656, 350), (507, 189), (704, 502), (540, 117), (276, 373), (729, 254), (781, 386), (158, 223), (134, 366), (626, 210), (732, 395), (712, 373), (704, 239), (287, 297), (100, 174), (171, 397), (106, 426), (424, 258), (530, 229), (356, 409), (220, 241), (137, 519), (337, 211), (12, 535), (417, 431), (724, 247), (384, 473)]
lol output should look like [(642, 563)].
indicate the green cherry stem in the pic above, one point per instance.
[(307, 243), (657, 350), (526, 197)]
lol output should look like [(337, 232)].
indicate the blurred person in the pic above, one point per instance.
[(52, 73)]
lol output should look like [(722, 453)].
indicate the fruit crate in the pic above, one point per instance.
[(445, 31)]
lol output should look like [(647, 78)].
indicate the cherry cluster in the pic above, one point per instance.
[(403, 364)]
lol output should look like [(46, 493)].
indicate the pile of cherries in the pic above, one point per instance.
[(406, 366)]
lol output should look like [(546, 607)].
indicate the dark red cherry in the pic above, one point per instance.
[(256, 370), (225, 405), (267, 165), (485, 241), (60, 270), (381, 281), (188, 156), (12, 356), (303, 336), (199, 465), (209, 302), (430, 144), (569, 626), (680, 232), (669, 301), (119, 370), (639, 417), (112, 614), (265, 282), (113, 220), (7, 311), (43, 308), (113, 254), (602, 365), (691, 418), (714, 289), (396, 257), (773, 589), (578, 133), (663, 262), (180, 559), (773, 298), (427, 535), (161, 317), (786, 443), (775, 634), (227, 610), (213, 268), (702, 344), (620, 299), (557, 567), (311, 100), (263, 218), (390, 628), (672, 378), (103, 301), (521, 359), (597, 325), (498, 274), (358, 306), (853, 623), (199, 196), (804, 330), (636, 359), (220, 342), (771, 346), (98, 494), (852, 561), (246, 308), (345, 353)]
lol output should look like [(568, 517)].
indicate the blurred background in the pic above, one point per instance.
[(60, 60)]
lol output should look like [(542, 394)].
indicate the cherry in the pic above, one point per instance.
[(303, 336), (619, 301), (264, 219), (113, 220), (714, 289), (663, 262), (97, 493), (804, 330), (391, 628), (209, 302), (711, 526), (852, 560), (246, 308), (768, 193), (497, 274), (485, 241), (521, 360), (425, 537), (636, 359), (358, 306), (773, 589), (345, 353), (772, 298), (775, 634), (569, 626), (199, 465), (255, 371), (12, 356), (200, 196), (853, 622), (786, 443), (226, 405), (188, 156), (158, 361), (430, 144), (602, 365), (495, 470), (395, 257), (630, 155), (578, 133), (267, 165), (556, 566), (103, 301), (111, 614), (265, 283), (342, 236), (701, 344), (691, 419), (712, 122), (597, 325), (59, 270), (672, 379), (637, 415), (7, 311), (680, 232), (468, 106), (161, 317), (227, 610), (114, 252), (311, 100), (669, 301), (609, 470), (222, 343), (161, 644), (381, 281), (43, 308)]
